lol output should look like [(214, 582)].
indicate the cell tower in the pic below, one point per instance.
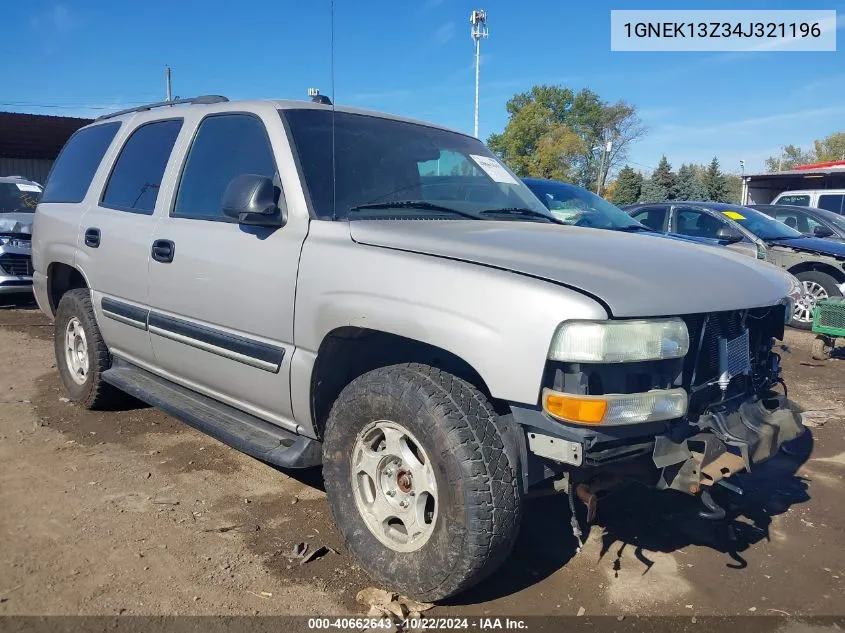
[(478, 19)]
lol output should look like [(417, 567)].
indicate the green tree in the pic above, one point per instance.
[(734, 189), (628, 185), (689, 184), (715, 182), (790, 156), (831, 148), (565, 127), (665, 178), (653, 191)]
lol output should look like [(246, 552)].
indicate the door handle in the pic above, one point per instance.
[(92, 237), (163, 251)]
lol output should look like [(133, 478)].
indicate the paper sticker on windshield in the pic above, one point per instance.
[(32, 188), (733, 215), (494, 169)]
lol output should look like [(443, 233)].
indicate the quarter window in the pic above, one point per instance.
[(75, 167), (137, 174), (225, 146), (831, 202)]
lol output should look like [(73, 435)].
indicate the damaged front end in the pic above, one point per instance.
[(736, 411)]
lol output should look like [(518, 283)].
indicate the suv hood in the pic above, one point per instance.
[(16, 222), (833, 248), (634, 275)]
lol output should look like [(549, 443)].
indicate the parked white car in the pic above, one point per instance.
[(829, 199)]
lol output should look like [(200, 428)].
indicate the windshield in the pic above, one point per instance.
[(761, 224), (577, 206), (380, 161), (20, 197)]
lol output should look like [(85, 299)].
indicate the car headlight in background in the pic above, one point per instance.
[(615, 409), (619, 341)]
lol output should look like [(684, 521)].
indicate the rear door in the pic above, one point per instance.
[(222, 294), (114, 241)]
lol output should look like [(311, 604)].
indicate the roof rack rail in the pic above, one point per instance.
[(201, 100)]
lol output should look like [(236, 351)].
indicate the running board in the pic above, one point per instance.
[(240, 430)]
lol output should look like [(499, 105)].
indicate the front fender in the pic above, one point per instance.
[(501, 323)]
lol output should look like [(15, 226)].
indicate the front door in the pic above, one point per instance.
[(222, 294)]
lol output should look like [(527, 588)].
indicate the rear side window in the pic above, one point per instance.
[(136, 177), (831, 202), (75, 167), (797, 200), (225, 146)]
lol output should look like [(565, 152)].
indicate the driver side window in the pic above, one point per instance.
[(696, 223)]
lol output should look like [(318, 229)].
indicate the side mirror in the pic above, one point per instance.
[(252, 200), (729, 234), (822, 231)]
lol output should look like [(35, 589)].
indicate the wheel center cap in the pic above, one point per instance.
[(404, 481)]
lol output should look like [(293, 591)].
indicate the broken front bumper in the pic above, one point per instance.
[(720, 444), (726, 444)]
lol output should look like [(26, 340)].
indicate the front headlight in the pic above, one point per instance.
[(620, 341)]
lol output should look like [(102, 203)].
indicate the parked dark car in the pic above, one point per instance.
[(577, 206), (810, 221), (818, 263)]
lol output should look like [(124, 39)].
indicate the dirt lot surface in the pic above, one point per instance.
[(133, 512)]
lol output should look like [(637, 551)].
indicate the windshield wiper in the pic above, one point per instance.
[(524, 211), (414, 204)]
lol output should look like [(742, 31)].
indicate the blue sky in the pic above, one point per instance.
[(416, 58)]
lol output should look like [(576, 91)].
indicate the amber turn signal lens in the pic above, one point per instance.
[(583, 411)]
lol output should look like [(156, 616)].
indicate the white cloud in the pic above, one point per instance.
[(57, 19), (444, 33)]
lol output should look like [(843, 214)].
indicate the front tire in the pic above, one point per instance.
[(81, 354), (419, 482), (817, 286)]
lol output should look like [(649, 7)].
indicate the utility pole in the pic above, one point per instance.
[(167, 81), (478, 19), (605, 156)]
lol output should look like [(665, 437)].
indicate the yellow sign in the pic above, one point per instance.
[(733, 215)]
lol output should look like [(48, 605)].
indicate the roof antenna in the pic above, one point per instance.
[(334, 159)]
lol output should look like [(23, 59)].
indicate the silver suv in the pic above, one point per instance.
[(18, 199), (383, 297)]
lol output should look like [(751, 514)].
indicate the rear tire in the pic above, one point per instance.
[(471, 516), (81, 354), (821, 286)]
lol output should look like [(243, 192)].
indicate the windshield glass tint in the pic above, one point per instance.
[(760, 224), (22, 197), (577, 206), (381, 161)]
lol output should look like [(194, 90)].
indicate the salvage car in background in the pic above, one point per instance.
[(809, 221), (18, 199), (817, 263), (577, 206)]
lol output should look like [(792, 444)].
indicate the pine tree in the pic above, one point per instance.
[(652, 192), (715, 183), (689, 184), (629, 184), (665, 178)]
